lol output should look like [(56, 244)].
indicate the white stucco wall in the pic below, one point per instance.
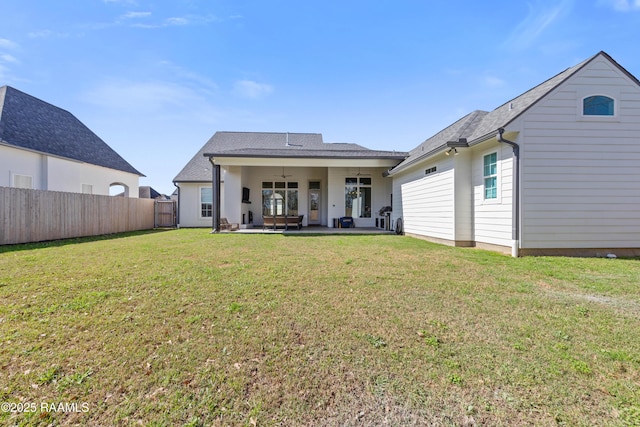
[(21, 162), (58, 174), (190, 212), (332, 182), (64, 175), (254, 176), (380, 193)]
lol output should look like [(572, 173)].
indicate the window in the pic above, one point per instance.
[(279, 198), (357, 197), (430, 170), (490, 174), (598, 105), (87, 189), (206, 202), (22, 181)]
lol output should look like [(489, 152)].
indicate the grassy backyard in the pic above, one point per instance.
[(182, 327)]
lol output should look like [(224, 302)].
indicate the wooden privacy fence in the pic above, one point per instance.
[(165, 213), (34, 215)]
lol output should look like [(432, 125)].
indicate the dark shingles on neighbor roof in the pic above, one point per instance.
[(32, 124), (273, 145)]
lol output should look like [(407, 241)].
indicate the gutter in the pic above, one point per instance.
[(460, 143), (515, 228)]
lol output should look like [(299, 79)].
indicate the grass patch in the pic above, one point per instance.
[(187, 328)]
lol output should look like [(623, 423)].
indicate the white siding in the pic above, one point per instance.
[(581, 180), (426, 202), (464, 197), (492, 218)]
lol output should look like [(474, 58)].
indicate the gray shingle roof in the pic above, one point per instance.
[(273, 145), (510, 110), (477, 126), (32, 124), (463, 128)]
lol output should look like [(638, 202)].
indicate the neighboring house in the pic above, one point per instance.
[(267, 175), (147, 192), (44, 147), (554, 171)]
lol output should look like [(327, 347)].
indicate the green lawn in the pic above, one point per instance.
[(186, 328)]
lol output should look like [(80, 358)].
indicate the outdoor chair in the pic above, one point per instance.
[(228, 226)]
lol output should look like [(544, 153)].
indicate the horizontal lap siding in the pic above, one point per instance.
[(581, 177), (492, 218), (34, 215), (428, 203)]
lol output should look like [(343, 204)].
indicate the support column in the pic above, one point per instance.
[(215, 187)]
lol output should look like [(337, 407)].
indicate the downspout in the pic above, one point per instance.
[(215, 190), (515, 228), (178, 206)]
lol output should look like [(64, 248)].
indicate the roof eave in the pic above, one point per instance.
[(400, 156), (460, 143), (69, 159)]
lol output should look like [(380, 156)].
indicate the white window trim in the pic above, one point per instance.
[(18, 176), (594, 118), (498, 199), (200, 202), (358, 186)]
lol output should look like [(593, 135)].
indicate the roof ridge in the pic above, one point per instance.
[(268, 133), (576, 67)]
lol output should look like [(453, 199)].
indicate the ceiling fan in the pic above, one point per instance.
[(283, 176)]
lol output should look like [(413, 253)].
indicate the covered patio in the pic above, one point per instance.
[(312, 230)]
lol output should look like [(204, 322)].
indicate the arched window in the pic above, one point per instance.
[(118, 189), (598, 105)]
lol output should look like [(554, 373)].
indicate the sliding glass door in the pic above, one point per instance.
[(279, 199)]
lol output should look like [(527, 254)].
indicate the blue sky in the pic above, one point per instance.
[(156, 79)]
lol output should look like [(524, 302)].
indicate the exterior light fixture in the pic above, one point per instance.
[(452, 150)]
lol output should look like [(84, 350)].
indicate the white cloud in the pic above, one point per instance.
[(135, 15), (156, 101), (141, 96), (5, 57), (123, 2), (251, 89), (623, 5), (8, 44), (542, 14), (177, 21), (202, 84), (46, 34)]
